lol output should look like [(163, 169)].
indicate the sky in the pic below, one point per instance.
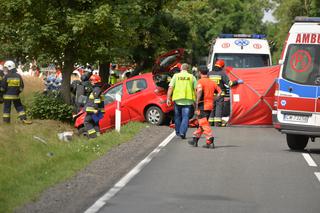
[(268, 17)]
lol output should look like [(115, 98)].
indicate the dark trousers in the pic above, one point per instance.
[(7, 109), (91, 126), (216, 113)]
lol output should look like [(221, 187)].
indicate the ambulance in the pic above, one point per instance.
[(240, 51), (297, 96)]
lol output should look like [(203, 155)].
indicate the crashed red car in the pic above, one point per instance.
[(143, 97)]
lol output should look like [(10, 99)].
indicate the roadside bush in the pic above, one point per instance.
[(50, 106)]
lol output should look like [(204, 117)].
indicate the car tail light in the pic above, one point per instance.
[(160, 91), (276, 94)]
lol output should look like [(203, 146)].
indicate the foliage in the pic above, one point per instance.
[(285, 13), (31, 165), (50, 106)]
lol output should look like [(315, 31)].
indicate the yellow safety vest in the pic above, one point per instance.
[(183, 88)]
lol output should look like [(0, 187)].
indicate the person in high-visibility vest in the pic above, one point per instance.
[(12, 86), (206, 89), (182, 93)]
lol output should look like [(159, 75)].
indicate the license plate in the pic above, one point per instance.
[(296, 118)]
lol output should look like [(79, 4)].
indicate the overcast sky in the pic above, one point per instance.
[(268, 17)]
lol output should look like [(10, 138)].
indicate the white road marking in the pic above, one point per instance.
[(317, 175), (309, 160), (126, 179)]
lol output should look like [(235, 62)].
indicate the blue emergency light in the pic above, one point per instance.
[(307, 19), (256, 36)]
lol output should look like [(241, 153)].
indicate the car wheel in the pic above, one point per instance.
[(82, 131), (154, 115), (297, 142)]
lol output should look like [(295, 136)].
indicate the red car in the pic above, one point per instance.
[(143, 97)]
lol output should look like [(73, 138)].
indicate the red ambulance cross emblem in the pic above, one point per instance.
[(300, 61)]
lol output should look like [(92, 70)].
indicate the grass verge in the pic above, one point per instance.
[(28, 165)]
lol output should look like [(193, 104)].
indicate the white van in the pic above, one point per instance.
[(297, 97), (240, 51)]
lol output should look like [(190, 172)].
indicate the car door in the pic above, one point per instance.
[(136, 97), (110, 105)]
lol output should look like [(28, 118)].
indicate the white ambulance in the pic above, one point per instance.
[(240, 51), (297, 97)]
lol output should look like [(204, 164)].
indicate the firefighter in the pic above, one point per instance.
[(12, 86), (219, 76), (94, 108), (1, 80), (204, 104)]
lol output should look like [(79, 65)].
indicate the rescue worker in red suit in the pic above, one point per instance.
[(94, 108), (219, 76), (12, 86), (204, 105)]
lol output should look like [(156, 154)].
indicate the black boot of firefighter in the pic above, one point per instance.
[(194, 141), (209, 143)]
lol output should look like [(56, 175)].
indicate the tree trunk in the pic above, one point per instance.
[(66, 74), (104, 72)]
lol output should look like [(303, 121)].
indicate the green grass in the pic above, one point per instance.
[(29, 166)]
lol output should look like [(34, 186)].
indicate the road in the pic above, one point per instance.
[(251, 170)]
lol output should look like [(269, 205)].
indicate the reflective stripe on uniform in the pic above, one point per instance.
[(21, 113), (10, 97), (102, 110), (217, 119), (13, 82), (97, 101), (91, 131), (90, 109), (6, 115)]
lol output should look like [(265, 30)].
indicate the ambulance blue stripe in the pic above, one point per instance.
[(305, 91)]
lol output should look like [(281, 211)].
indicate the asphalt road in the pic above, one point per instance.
[(251, 170)]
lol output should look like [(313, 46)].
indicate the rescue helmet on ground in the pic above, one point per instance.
[(219, 63), (9, 65), (94, 79)]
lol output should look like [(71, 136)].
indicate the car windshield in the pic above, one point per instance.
[(110, 95), (302, 64), (239, 60)]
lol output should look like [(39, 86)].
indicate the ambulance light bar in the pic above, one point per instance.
[(256, 36), (307, 19)]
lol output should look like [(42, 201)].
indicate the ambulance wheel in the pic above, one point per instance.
[(82, 131), (297, 142), (154, 115)]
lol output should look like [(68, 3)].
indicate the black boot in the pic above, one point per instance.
[(194, 141), (209, 142)]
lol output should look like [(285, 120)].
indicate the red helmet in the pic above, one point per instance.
[(94, 79), (219, 63)]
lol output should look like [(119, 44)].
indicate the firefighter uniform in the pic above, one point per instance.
[(1, 82), (219, 76), (12, 86), (95, 110), (207, 88)]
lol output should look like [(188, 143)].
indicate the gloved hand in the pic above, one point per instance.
[(240, 81)]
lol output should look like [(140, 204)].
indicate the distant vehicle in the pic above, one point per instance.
[(240, 51), (297, 101), (143, 96)]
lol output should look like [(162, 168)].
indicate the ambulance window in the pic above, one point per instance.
[(240, 60), (302, 64)]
